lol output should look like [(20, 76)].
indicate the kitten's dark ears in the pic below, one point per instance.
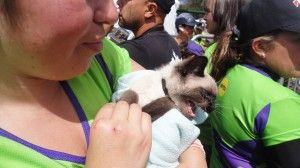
[(194, 65)]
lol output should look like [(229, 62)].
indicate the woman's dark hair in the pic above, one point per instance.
[(228, 51), (225, 15), (9, 9)]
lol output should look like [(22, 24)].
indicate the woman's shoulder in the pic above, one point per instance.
[(244, 83), (116, 58)]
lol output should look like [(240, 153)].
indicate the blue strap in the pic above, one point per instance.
[(106, 71)]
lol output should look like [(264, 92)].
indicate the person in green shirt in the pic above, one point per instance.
[(54, 91), (220, 16), (256, 121), (52, 87)]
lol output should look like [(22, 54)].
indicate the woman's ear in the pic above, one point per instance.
[(259, 48), (151, 9)]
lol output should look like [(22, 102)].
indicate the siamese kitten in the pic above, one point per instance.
[(181, 84)]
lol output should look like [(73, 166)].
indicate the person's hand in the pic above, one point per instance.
[(120, 137), (193, 157)]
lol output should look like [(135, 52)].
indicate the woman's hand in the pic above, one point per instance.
[(193, 157), (120, 137)]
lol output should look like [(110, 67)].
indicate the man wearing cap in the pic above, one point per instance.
[(152, 45), (185, 24)]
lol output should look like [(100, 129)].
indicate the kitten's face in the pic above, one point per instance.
[(188, 86)]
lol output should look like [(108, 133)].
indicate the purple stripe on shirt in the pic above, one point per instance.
[(261, 120), (251, 150), (245, 153), (228, 156), (78, 108), (56, 155)]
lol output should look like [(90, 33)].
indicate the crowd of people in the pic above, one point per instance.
[(58, 72)]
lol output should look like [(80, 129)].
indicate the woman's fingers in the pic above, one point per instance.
[(135, 115), (121, 111), (104, 113), (122, 133), (146, 123)]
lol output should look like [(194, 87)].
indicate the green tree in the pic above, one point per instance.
[(192, 6)]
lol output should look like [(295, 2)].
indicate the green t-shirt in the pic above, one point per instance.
[(253, 111), (92, 90), (209, 54), (206, 130), (98, 91)]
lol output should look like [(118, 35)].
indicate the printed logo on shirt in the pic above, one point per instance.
[(222, 87)]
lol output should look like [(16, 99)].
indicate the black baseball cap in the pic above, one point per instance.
[(185, 19), (259, 17), (165, 5)]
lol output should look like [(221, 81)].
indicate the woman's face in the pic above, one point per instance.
[(209, 6), (55, 38), (284, 58)]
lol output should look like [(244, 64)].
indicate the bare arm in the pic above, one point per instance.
[(193, 157)]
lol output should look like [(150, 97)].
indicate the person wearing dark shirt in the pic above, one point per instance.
[(152, 46)]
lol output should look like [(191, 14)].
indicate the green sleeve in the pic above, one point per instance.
[(286, 112), (92, 88)]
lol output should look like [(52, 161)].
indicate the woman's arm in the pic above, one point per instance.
[(283, 155), (193, 157)]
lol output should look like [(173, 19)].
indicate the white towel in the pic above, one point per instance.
[(172, 134)]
